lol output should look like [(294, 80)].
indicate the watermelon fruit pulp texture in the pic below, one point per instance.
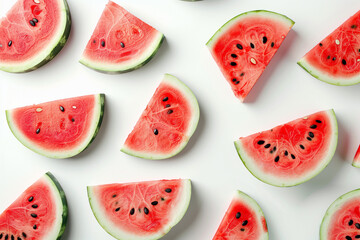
[(342, 218), (166, 124), (356, 161), (244, 219), (33, 33), (39, 213), (291, 153), (336, 59), (58, 129), (121, 42), (142, 210), (244, 46)]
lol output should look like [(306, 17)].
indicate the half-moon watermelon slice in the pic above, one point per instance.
[(32, 33), (120, 42), (356, 161), (58, 129), (291, 153), (38, 213), (141, 210), (244, 46), (342, 218), (244, 219), (167, 123), (336, 59)]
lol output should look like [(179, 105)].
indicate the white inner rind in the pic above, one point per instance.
[(116, 231), (95, 121), (47, 50), (271, 179), (195, 112)]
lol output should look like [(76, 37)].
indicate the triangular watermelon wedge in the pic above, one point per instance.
[(356, 161), (140, 210), (120, 42), (58, 129)]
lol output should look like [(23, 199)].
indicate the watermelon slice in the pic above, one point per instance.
[(342, 218), (167, 123), (121, 42), (39, 213), (141, 210), (291, 153), (32, 33), (58, 129), (356, 161), (244, 219), (336, 59), (244, 46)]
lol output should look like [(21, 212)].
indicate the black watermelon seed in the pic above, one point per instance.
[(10, 43), (35, 20), (146, 211), (286, 153), (24, 235), (122, 44), (292, 156), (302, 146), (139, 210), (239, 46), (118, 209), (252, 45), (35, 206), (165, 99), (353, 26), (103, 43), (320, 44), (313, 126), (73, 120), (234, 80), (357, 225), (277, 158), (62, 108), (334, 58), (271, 151), (38, 131), (132, 211), (311, 134), (12, 237), (19, 238), (348, 238), (170, 111), (168, 190), (167, 105), (31, 199), (242, 229), (34, 227), (328, 57), (343, 62), (162, 199), (114, 196), (242, 74), (261, 142), (34, 215), (272, 44), (233, 55), (156, 132), (237, 82), (357, 236), (238, 215), (245, 223), (267, 145), (264, 40), (359, 49), (233, 64), (1, 235), (274, 149), (318, 121), (351, 222), (94, 41), (309, 138), (32, 23), (6, 237), (154, 203)]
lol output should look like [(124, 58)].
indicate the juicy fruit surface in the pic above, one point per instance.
[(143, 209), (244, 46), (293, 152), (342, 219), (36, 214), (336, 59), (243, 220), (356, 161), (119, 38)]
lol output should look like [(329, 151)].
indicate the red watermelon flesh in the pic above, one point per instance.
[(291, 153), (336, 59), (39, 213), (356, 161), (60, 128), (244, 46), (120, 42), (142, 210), (244, 219)]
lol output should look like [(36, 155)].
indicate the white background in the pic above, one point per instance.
[(283, 93)]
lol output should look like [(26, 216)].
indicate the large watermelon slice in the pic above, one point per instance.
[(291, 153), (38, 213), (244, 46), (356, 161), (244, 219), (342, 219), (58, 129), (121, 42), (336, 59), (166, 124), (142, 210), (32, 33)]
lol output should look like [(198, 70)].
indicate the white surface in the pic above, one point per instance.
[(283, 93)]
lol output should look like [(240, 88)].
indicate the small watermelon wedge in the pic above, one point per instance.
[(291, 153), (167, 123), (342, 218), (120, 42), (33, 33), (356, 161), (38, 213), (336, 59), (140, 210), (58, 129), (244, 46), (244, 219)]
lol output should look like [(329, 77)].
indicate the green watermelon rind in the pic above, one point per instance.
[(235, 19), (98, 117), (282, 183), (104, 67), (128, 236), (333, 208), (50, 51), (192, 127)]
